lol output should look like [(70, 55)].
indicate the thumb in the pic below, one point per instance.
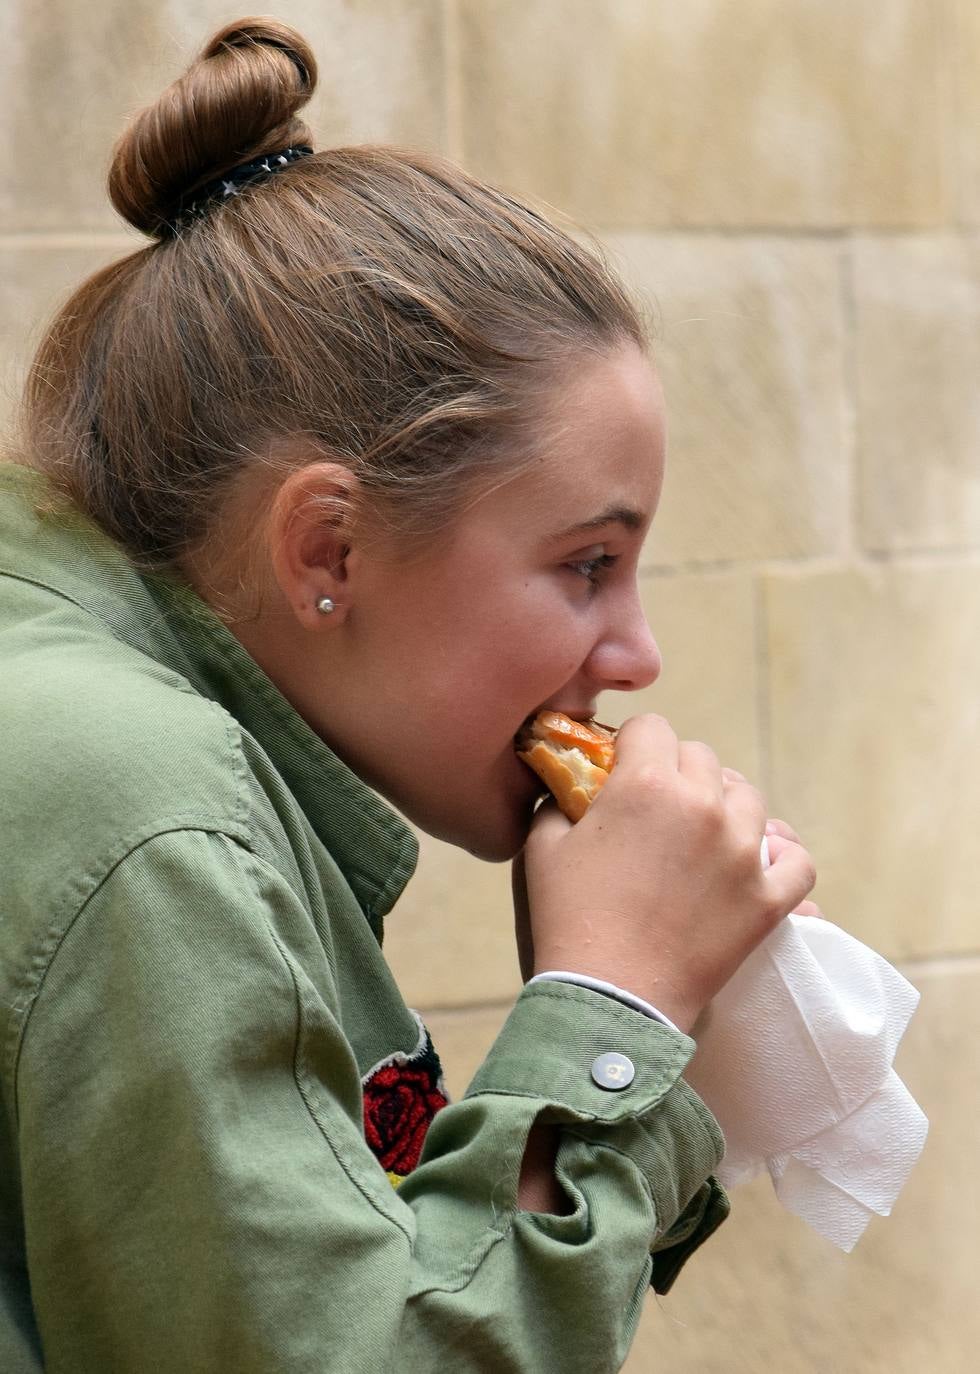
[(522, 917), (549, 824), (791, 873)]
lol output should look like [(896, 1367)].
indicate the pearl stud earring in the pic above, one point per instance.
[(325, 605)]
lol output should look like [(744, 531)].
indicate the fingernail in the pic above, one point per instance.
[(770, 828)]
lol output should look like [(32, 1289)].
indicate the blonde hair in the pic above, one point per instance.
[(377, 304)]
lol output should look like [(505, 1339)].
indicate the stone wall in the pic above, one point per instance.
[(794, 188)]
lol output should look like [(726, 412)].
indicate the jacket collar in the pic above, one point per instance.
[(163, 618)]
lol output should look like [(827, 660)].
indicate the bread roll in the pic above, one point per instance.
[(572, 758)]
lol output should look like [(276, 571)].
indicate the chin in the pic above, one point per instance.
[(491, 823), (493, 843), (494, 838), (496, 852)]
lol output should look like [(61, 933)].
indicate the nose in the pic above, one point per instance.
[(627, 656)]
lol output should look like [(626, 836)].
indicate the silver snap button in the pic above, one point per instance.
[(613, 1071)]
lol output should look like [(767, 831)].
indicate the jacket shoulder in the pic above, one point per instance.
[(102, 743)]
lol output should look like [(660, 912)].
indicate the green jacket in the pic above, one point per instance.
[(209, 1079)]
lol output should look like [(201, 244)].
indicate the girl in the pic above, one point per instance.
[(318, 497)]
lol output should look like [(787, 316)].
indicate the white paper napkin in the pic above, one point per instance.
[(794, 1060)]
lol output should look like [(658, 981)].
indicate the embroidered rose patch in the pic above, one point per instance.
[(401, 1096)]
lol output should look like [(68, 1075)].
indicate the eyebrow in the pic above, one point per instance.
[(613, 515)]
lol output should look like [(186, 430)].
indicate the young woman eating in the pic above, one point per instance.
[(316, 499)]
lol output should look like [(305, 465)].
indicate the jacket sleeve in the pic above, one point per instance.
[(198, 1195)]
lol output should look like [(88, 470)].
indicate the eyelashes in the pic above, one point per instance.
[(592, 569)]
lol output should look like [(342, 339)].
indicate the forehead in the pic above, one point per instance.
[(599, 448)]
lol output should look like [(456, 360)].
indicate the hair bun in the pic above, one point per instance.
[(237, 102)]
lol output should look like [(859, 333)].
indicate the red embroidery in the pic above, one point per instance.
[(401, 1096)]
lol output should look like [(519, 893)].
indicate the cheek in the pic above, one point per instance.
[(537, 659), (556, 636), (503, 652)]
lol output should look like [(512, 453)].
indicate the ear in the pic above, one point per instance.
[(310, 532)]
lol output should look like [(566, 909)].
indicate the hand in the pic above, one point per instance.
[(659, 888), (522, 917), (780, 828), (777, 827)]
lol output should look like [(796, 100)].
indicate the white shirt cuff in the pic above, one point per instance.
[(609, 989)]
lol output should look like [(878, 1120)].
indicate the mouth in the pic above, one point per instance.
[(526, 736), (531, 786), (583, 717)]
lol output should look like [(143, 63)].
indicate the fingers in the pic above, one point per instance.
[(777, 827), (518, 881), (700, 763), (791, 874), (647, 740), (523, 933), (548, 824), (650, 739)]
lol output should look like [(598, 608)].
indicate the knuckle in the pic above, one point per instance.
[(809, 873), (651, 781), (704, 810), (773, 909), (648, 719), (805, 867), (748, 861), (745, 790), (702, 750)]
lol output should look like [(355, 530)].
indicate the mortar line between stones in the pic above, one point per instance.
[(940, 228), (967, 962), (850, 420), (949, 94), (463, 1009), (966, 554), (763, 690), (453, 80), (43, 238)]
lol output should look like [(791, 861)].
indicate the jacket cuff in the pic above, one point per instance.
[(547, 1049), (701, 1218), (551, 1040)]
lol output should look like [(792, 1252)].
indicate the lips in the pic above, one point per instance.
[(584, 715)]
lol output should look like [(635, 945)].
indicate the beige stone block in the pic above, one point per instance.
[(918, 365), (965, 55), (35, 278), (462, 1039), (70, 75), (706, 627), (767, 1293), (751, 350), (450, 938), (642, 113), (875, 736)]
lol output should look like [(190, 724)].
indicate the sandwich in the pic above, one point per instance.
[(572, 758)]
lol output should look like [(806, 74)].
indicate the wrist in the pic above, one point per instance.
[(614, 991), (538, 1188)]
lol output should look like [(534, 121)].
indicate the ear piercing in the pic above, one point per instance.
[(325, 605)]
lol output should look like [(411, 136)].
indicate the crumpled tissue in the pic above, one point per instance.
[(794, 1060)]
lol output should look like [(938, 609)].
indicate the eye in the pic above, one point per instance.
[(592, 569)]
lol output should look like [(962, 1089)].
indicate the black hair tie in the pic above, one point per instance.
[(230, 184)]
